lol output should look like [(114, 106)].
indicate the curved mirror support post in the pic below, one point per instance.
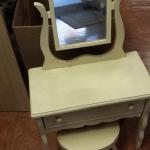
[(52, 62), (119, 27), (44, 38)]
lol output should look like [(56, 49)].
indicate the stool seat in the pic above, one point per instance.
[(99, 137)]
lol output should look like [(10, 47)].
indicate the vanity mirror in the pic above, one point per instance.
[(77, 24), (80, 23)]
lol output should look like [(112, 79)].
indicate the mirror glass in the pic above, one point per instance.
[(80, 23)]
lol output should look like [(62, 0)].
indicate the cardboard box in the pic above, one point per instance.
[(13, 94), (27, 27)]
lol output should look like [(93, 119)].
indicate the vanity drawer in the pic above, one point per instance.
[(94, 114)]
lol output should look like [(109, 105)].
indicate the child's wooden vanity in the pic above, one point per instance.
[(89, 89)]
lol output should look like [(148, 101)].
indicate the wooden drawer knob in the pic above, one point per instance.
[(131, 107), (59, 120)]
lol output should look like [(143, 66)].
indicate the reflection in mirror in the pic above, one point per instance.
[(79, 21)]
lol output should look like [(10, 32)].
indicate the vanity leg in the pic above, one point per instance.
[(142, 125), (114, 148), (43, 134)]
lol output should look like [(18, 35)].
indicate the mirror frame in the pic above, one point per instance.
[(107, 40)]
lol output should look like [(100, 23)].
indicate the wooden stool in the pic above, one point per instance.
[(100, 137)]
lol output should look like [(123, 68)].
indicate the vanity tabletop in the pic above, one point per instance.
[(88, 85)]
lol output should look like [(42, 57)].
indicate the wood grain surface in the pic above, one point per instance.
[(19, 132)]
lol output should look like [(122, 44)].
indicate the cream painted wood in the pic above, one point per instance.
[(142, 124), (73, 96), (52, 62), (91, 122), (101, 137), (67, 96), (95, 115), (89, 85), (44, 38), (109, 8)]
